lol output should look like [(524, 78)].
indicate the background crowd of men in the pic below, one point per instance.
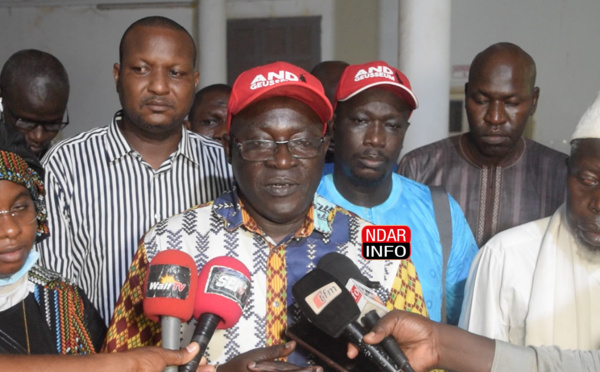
[(286, 166)]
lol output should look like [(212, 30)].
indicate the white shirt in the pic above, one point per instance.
[(529, 285)]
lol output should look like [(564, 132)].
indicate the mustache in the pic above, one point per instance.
[(154, 100), (373, 153)]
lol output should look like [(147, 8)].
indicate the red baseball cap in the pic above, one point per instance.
[(357, 78), (278, 79)]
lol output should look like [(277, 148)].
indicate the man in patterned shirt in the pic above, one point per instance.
[(272, 221)]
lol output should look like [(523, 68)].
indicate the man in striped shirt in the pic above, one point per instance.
[(108, 186)]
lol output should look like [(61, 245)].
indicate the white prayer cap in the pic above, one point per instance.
[(589, 124)]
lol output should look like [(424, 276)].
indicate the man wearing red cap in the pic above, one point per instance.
[(373, 103), (272, 221)]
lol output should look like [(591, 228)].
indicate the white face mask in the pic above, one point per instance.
[(29, 262)]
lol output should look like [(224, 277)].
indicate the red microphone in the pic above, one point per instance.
[(169, 292), (223, 291)]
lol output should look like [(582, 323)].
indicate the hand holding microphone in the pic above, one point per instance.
[(371, 308), (223, 290), (330, 307), (169, 292)]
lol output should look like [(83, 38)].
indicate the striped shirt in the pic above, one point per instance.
[(102, 197), (494, 198)]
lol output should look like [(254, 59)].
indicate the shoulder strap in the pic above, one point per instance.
[(443, 219)]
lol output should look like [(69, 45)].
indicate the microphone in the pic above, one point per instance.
[(330, 307), (169, 292), (223, 291), (371, 307)]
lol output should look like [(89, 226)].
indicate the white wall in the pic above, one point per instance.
[(86, 41), (562, 37)]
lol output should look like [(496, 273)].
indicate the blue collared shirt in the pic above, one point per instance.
[(410, 204)]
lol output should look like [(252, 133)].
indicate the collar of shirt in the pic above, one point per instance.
[(319, 217), (117, 146), (510, 160)]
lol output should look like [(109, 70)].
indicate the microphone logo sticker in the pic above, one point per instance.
[(319, 299), (168, 281), (227, 282)]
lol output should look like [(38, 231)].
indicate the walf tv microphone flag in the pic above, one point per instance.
[(169, 293)]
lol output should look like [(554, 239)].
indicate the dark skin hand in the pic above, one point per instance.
[(429, 345), (143, 359), (263, 360)]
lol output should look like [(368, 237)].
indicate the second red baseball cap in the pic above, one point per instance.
[(278, 79), (358, 78)]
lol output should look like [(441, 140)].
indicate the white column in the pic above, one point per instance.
[(388, 31), (212, 42), (424, 57)]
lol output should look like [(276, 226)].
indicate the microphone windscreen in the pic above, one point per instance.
[(325, 302), (170, 286), (342, 268), (223, 290)]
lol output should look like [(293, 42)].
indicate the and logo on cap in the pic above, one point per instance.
[(358, 78), (278, 79), (375, 71), (272, 78)]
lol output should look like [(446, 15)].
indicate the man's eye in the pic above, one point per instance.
[(209, 123), (360, 121), (395, 125), (177, 73), (588, 181), (140, 69), (259, 144)]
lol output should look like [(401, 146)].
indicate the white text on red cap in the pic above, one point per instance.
[(272, 79), (379, 71)]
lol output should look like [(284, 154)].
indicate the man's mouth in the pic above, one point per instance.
[(494, 139), (282, 187)]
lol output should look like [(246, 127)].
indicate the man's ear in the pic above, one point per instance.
[(196, 79), (187, 124), (534, 100), (227, 142), (330, 126), (116, 71)]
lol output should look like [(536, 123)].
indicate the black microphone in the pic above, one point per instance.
[(330, 307), (371, 308)]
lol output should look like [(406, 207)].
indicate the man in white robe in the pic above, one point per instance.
[(539, 283)]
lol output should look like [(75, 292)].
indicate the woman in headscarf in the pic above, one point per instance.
[(40, 313)]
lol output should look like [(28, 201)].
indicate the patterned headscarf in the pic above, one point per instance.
[(14, 168)]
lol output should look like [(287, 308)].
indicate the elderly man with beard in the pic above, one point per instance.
[(373, 104), (539, 283)]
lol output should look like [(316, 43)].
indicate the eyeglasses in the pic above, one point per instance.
[(28, 125), (261, 150), (23, 212)]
